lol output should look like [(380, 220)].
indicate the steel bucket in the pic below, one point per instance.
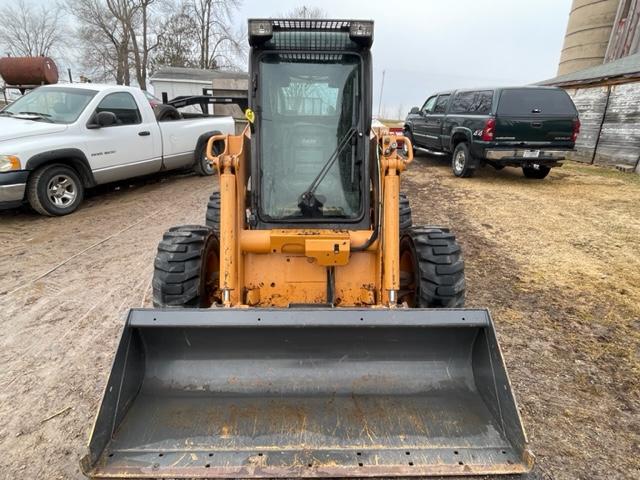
[(307, 393)]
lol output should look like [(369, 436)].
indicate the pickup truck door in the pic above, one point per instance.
[(128, 148), (419, 122), (434, 122)]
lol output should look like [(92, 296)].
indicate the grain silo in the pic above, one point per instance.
[(588, 33)]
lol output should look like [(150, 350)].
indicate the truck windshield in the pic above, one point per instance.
[(57, 104), (308, 135), (545, 101)]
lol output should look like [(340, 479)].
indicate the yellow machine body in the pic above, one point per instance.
[(296, 260)]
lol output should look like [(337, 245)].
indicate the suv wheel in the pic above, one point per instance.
[(55, 190), (461, 161), (536, 171)]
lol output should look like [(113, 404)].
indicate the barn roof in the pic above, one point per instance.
[(624, 68), (191, 74)]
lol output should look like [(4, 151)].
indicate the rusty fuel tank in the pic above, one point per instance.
[(28, 70)]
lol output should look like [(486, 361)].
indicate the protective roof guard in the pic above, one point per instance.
[(298, 34)]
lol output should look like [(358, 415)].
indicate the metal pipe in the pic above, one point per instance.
[(393, 297), (228, 238), (391, 230)]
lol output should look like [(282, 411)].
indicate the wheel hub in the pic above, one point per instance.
[(459, 161), (206, 164), (62, 190)]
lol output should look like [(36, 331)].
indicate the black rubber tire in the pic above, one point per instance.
[(434, 254), (165, 113), (201, 163), (407, 133), (467, 169), (536, 173), (179, 276), (406, 220), (213, 212), (37, 190)]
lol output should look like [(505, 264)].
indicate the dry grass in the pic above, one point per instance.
[(558, 263)]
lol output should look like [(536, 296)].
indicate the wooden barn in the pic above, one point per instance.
[(608, 99)]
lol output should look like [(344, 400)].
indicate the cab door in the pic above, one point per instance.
[(435, 121), (126, 148), (420, 122)]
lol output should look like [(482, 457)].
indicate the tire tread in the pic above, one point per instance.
[(441, 268)]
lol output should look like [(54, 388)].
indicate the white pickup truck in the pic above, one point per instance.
[(59, 140)]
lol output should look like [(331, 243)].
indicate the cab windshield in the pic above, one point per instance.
[(309, 130), (55, 105)]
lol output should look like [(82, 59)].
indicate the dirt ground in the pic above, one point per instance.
[(557, 262)]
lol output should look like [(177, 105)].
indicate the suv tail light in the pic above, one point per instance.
[(488, 132), (576, 129)]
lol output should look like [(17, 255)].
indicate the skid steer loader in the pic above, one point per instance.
[(302, 333)]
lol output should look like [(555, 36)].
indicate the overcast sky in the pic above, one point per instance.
[(431, 45)]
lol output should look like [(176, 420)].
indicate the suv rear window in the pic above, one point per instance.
[(525, 101), (478, 102)]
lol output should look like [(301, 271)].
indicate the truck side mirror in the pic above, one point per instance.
[(414, 111), (103, 119)]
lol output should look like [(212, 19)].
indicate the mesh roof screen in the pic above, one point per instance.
[(310, 40)]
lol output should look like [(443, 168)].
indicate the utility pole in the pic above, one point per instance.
[(381, 90)]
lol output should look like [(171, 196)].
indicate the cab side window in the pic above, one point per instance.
[(473, 102), (441, 104), (428, 105), (123, 106)]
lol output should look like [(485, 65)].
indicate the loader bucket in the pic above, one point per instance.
[(307, 393)]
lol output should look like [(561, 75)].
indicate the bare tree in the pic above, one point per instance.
[(105, 37), (122, 38), (305, 11), (177, 45), (219, 46), (140, 32), (27, 31), (123, 12)]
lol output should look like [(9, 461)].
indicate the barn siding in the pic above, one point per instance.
[(620, 136), (590, 103)]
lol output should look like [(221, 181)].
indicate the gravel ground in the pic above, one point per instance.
[(557, 261)]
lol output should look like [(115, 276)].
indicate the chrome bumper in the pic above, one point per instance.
[(520, 154), (12, 193)]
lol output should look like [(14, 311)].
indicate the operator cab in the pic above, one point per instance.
[(312, 122)]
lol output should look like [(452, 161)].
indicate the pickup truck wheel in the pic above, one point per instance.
[(407, 133), (202, 166), (461, 161), (55, 190), (537, 171), (431, 269)]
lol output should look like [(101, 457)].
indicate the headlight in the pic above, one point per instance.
[(9, 162)]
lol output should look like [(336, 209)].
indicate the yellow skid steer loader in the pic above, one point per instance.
[(309, 329)]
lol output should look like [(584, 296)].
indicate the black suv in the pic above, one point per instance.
[(528, 127)]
